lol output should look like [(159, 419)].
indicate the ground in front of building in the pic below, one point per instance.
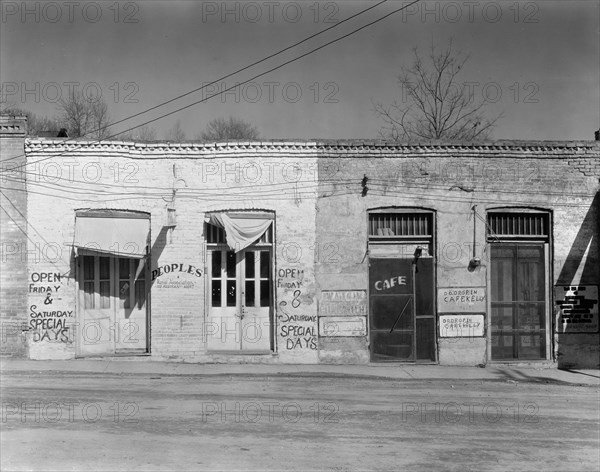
[(55, 420)]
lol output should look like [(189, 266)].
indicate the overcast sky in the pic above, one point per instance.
[(537, 61)]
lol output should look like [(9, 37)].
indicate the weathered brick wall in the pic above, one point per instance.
[(450, 180), (278, 178), (13, 241)]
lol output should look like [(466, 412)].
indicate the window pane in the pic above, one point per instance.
[(124, 289), (231, 292), (104, 268), (124, 268), (249, 293), (216, 264), (105, 294), (265, 292), (230, 264), (250, 265), (216, 293), (88, 267), (265, 264), (88, 288), (140, 293), (532, 345)]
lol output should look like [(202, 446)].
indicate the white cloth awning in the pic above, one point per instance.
[(241, 230), (120, 236)]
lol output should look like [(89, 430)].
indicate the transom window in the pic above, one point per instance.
[(400, 225), (512, 225)]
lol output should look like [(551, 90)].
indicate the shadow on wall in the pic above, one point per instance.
[(159, 246), (588, 233)]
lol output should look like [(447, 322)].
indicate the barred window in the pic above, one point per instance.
[(522, 226), (400, 225)]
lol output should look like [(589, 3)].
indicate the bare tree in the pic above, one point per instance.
[(434, 105), (175, 134), (83, 116), (221, 129), (143, 133)]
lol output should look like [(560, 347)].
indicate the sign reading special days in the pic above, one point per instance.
[(461, 300), (578, 305), (461, 325)]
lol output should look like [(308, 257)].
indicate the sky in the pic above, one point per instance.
[(536, 62)]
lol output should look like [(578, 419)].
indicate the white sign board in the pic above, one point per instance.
[(335, 326), (461, 325), (343, 303), (461, 300)]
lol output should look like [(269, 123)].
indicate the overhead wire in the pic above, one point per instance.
[(308, 38), (333, 41)]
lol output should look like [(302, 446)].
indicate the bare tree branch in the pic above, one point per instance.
[(434, 104)]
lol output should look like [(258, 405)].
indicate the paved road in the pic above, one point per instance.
[(83, 421)]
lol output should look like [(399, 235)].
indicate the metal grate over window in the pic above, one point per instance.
[(400, 225), (216, 235), (518, 225)]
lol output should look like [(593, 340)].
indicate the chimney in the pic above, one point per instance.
[(597, 135)]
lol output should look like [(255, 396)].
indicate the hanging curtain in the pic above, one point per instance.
[(240, 231)]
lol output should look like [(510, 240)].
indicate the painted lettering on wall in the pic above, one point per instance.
[(290, 278), (457, 325), (461, 299), (391, 282), (297, 330), (178, 267), (48, 320), (343, 302)]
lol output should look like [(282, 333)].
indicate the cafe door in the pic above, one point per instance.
[(401, 286)]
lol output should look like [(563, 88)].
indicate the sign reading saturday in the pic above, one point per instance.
[(461, 299), (461, 325)]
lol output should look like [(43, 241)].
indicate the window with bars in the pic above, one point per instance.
[(522, 226), (400, 225)]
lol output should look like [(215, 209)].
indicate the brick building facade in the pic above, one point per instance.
[(301, 252)]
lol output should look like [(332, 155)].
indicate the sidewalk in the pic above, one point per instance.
[(115, 366)]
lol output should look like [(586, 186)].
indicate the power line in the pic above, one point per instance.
[(250, 79), (221, 78)]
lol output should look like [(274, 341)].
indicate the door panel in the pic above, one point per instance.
[(131, 307), (95, 324), (256, 302), (519, 305), (402, 309), (112, 312), (240, 300)]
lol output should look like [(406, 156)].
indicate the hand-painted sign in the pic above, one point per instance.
[(461, 299), (343, 303), (335, 326), (578, 305), (390, 276), (461, 325)]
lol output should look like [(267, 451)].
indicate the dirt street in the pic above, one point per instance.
[(75, 421)]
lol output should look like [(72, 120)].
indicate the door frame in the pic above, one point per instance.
[(549, 328), (114, 279), (432, 242), (213, 247), (548, 242)]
